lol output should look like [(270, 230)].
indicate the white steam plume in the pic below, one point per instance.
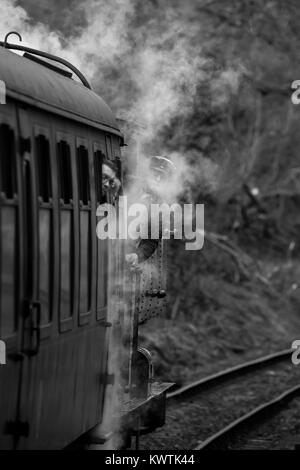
[(148, 64)]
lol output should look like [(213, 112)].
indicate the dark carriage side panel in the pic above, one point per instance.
[(62, 390), (11, 269)]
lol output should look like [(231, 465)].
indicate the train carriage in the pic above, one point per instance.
[(55, 279)]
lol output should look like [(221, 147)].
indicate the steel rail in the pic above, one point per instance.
[(256, 413), (230, 372)]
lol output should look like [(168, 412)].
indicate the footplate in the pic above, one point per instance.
[(150, 412)]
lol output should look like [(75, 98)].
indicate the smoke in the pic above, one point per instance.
[(37, 36), (227, 84), (145, 59), (166, 72)]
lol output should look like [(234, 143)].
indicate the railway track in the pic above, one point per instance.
[(228, 432), (230, 373)]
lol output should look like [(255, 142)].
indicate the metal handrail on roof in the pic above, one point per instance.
[(18, 47), (43, 85)]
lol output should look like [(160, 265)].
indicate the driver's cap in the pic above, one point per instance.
[(162, 164)]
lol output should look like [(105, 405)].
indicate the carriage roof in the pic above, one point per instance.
[(39, 86)]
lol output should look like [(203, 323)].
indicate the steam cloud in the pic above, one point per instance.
[(144, 58)]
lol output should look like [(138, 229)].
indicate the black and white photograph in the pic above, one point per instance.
[(150, 228)]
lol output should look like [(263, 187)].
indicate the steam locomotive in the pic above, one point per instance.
[(56, 317)]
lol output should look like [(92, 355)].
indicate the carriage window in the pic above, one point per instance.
[(102, 275), (102, 245), (45, 226), (108, 147), (85, 262), (83, 174), (65, 174), (43, 168), (8, 270), (85, 229), (8, 239), (66, 233), (66, 264), (7, 162), (45, 263), (98, 159)]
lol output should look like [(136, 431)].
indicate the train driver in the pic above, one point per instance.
[(111, 183), (161, 171)]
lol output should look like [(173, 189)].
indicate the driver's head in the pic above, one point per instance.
[(161, 172), (110, 182)]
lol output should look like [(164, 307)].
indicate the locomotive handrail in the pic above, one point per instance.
[(77, 72)]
